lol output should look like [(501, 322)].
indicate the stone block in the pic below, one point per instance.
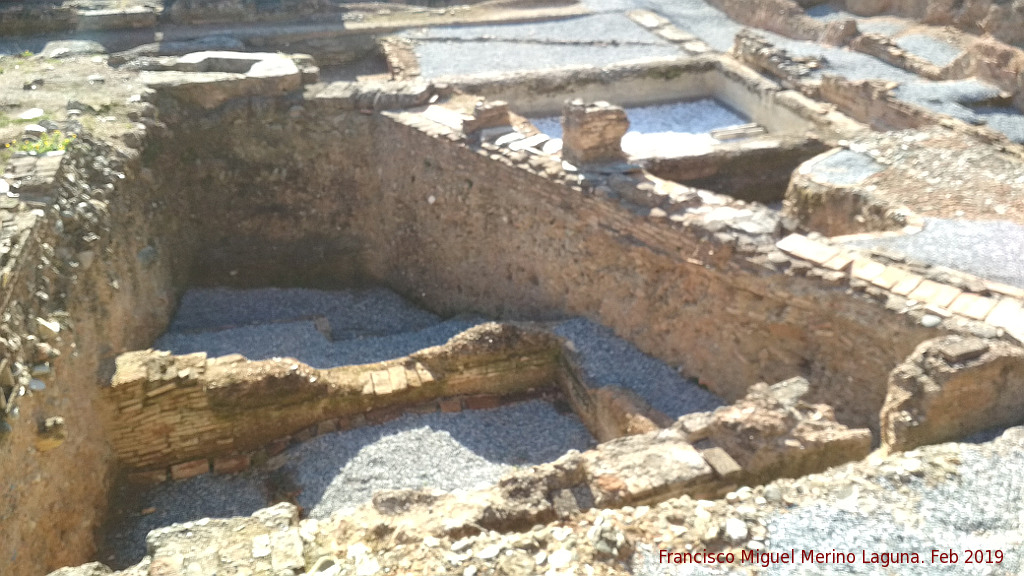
[(381, 382), (839, 262), (807, 249), (482, 402), (979, 384), (593, 133), (955, 351), (721, 463), (972, 306), (190, 469), (890, 277), (866, 269), (934, 293), (451, 404), (1006, 313), (907, 284), (231, 464)]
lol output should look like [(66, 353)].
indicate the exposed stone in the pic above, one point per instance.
[(592, 133), (951, 387)]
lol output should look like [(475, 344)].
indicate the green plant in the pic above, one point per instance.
[(50, 142), (26, 54)]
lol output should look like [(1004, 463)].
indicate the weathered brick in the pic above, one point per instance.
[(907, 284), (382, 415), (720, 461), (305, 434), (231, 464), (277, 446), (482, 402), (381, 382), (451, 404), (326, 427), (866, 269), (190, 469), (398, 378), (839, 262), (148, 477), (802, 247), (934, 293), (1006, 312), (972, 306), (890, 277)]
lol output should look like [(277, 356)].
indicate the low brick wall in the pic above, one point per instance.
[(175, 410)]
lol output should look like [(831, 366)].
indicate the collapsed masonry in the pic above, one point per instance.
[(244, 170)]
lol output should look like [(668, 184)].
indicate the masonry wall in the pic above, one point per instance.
[(503, 241), (109, 294), (307, 192)]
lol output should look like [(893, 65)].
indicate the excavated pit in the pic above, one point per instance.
[(436, 338), (456, 444)]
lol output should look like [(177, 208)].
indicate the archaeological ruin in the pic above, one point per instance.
[(511, 287)]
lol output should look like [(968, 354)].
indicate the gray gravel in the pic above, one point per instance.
[(690, 117), (352, 313), (448, 58), (883, 25), (605, 28), (301, 340), (989, 249), (611, 361), (462, 451), (596, 40), (846, 168), (339, 472), (981, 507), (1009, 121), (204, 496), (698, 18), (932, 49), (952, 97)]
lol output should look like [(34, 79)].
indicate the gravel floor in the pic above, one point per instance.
[(339, 471), (1009, 121), (657, 130), (611, 361), (846, 168), (462, 451), (204, 496), (352, 313), (301, 340), (981, 508), (597, 40), (897, 507), (931, 49), (698, 18), (990, 249), (884, 25)]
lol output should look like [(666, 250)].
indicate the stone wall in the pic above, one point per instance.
[(466, 233), (951, 388), (98, 294), (181, 411)]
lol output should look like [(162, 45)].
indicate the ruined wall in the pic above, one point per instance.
[(308, 191), (108, 294), (276, 189), (463, 232), (180, 411)]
